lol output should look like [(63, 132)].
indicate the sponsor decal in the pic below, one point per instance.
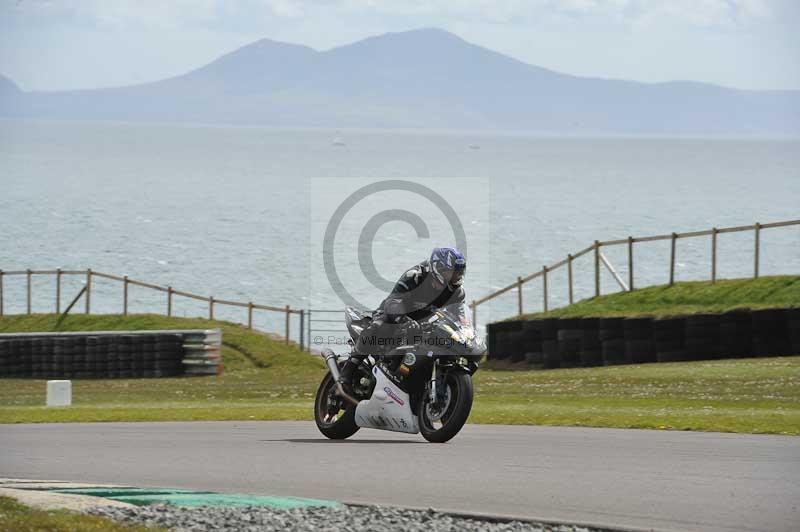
[(409, 359), (393, 395)]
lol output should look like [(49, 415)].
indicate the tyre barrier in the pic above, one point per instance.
[(638, 334), (793, 324), (202, 352), (591, 351), (703, 336), (110, 355), (571, 342), (770, 332), (550, 357), (504, 343), (669, 340), (611, 333), (736, 334), (532, 343)]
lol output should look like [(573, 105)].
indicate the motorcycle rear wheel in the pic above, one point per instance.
[(343, 425), (444, 425)]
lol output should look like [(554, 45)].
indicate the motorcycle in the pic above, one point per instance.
[(421, 385)]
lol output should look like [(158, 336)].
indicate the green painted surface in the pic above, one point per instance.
[(178, 497)]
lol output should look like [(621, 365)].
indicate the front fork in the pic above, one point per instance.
[(433, 381), (469, 367)]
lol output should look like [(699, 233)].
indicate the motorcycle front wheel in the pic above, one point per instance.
[(440, 421), (335, 418)]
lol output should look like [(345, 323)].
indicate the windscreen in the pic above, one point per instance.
[(457, 316)]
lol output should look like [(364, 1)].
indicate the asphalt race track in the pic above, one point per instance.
[(639, 479)]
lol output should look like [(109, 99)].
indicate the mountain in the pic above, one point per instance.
[(8, 87), (420, 79)]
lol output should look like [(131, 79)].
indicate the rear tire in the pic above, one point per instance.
[(456, 413), (345, 424)]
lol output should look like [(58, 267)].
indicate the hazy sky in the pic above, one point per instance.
[(62, 44)]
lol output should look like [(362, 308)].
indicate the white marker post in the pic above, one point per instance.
[(59, 393)]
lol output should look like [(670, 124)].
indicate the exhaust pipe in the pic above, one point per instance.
[(330, 361)]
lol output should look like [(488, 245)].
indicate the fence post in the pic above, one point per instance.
[(544, 286), (713, 255), (519, 296), (125, 295), (88, 290), (211, 307), (28, 275), (302, 329), (169, 301), (250, 315), (758, 241), (672, 259), (597, 268), (309, 330), (569, 276), (58, 291), (288, 313), (630, 263), (1, 292)]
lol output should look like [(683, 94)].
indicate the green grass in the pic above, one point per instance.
[(687, 298), (745, 395), (16, 517), (241, 347), (265, 380)]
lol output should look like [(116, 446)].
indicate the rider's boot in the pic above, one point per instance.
[(360, 350)]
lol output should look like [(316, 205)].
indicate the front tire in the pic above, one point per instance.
[(340, 425), (439, 427)]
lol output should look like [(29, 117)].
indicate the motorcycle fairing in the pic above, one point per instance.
[(389, 408), (356, 320)]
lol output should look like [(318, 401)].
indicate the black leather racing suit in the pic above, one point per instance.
[(414, 297)]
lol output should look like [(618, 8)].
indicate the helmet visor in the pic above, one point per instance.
[(453, 277)]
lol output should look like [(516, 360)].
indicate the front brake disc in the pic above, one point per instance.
[(437, 410)]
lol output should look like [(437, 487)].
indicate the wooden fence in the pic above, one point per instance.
[(170, 293), (630, 242)]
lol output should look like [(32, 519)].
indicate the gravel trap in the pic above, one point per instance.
[(367, 518)]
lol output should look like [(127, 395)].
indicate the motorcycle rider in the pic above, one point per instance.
[(431, 284)]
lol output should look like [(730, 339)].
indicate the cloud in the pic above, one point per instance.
[(726, 14), (177, 13), (695, 12), (110, 14), (287, 8)]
